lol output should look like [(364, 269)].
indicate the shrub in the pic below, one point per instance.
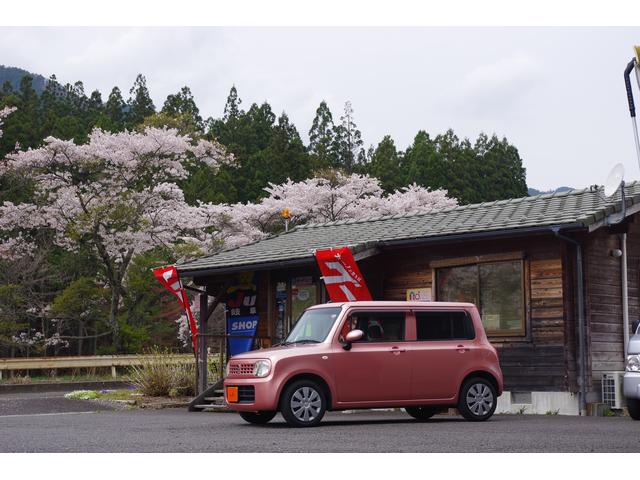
[(161, 374)]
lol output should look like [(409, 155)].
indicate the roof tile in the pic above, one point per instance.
[(584, 207)]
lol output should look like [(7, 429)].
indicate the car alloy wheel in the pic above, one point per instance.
[(303, 404), (477, 399)]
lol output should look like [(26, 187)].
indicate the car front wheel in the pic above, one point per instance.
[(421, 413), (259, 418), (478, 399), (303, 404), (633, 405)]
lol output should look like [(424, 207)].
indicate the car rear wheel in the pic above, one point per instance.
[(422, 413), (478, 399), (633, 405), (303, 404), (259, 418)]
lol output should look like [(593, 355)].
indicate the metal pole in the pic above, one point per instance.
[(202, 343), (632, 65), (625, 295)]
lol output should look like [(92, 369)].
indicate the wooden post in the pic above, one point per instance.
[(202, 343), (113, 371)]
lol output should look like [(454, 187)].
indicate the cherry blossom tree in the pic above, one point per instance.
[(117, 194), (4, 113), (331, 197)]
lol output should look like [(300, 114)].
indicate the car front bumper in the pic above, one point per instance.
[(264, 397), (631, 385)]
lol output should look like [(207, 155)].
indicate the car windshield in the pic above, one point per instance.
[(313, 326)]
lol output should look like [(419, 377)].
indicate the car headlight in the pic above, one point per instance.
[(261, 368), (633, 363)]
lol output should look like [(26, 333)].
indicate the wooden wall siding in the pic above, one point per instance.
[(570, 314), (538, 361), (603, 306), (403, 273)]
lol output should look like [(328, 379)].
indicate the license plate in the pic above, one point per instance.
[(232, 394)]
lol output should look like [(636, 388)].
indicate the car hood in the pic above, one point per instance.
[(282, 351), (634, 344)]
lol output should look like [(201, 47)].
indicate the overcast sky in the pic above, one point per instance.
[(555, 93)]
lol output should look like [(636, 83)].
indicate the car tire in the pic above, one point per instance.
[(422, 412), (478, 399), (258, 418), (303, 403), (633, 405)]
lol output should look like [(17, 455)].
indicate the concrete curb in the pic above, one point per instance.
[(62, 386)]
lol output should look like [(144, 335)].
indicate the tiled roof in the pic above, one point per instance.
[(579, 208)]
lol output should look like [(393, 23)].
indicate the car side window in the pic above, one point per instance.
[(445, 325), (379, 326)]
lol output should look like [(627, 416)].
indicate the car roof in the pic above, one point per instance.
[(398, 304)]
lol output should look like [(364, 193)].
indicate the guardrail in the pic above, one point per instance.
[(99, 361)]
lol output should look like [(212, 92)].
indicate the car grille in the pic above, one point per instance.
[(237, 369), (246, 394)]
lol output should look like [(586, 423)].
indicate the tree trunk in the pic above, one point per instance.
[(113, 317), (80, 328)]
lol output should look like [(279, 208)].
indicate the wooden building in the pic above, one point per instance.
[(546, 273)]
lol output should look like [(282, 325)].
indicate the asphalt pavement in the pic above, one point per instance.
[(47, 422)]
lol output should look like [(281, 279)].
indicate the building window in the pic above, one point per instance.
[(496, 288)]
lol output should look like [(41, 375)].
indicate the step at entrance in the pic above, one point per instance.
[(211, 400)]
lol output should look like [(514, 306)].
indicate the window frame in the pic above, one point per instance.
[(522, 332)]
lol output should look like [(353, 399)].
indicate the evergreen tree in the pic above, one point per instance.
[(114, 111), (348, 141), (139, 104), (286, 154), (499, 169), (321, 139), (423, 165), (232, 107), (385, 165), (182, 104)]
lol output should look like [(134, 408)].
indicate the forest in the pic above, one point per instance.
[(81, 283)]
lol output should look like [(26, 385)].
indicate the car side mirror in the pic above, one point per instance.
[(352, 336)]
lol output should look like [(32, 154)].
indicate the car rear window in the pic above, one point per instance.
[(444, 325)]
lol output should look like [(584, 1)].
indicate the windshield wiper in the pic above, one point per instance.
[(304, 340)]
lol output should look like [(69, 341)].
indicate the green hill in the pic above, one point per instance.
[(13, 75)]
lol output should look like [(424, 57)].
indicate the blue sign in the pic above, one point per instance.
[(245, 325)]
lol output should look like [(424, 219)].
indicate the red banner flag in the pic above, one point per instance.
[(341, 275), (169, 278)]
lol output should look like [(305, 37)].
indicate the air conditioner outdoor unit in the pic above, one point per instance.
[(612, 389)]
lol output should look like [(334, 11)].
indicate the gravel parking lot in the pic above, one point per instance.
[(50, 423)]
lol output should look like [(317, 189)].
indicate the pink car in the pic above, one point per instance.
[(423, 356)]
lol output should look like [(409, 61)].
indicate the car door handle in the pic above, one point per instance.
[(396, 350), (462, 349)]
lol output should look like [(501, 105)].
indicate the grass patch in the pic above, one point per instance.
[(163, 374), (82, 395)]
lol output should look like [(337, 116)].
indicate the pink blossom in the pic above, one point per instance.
[(4, 113)]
